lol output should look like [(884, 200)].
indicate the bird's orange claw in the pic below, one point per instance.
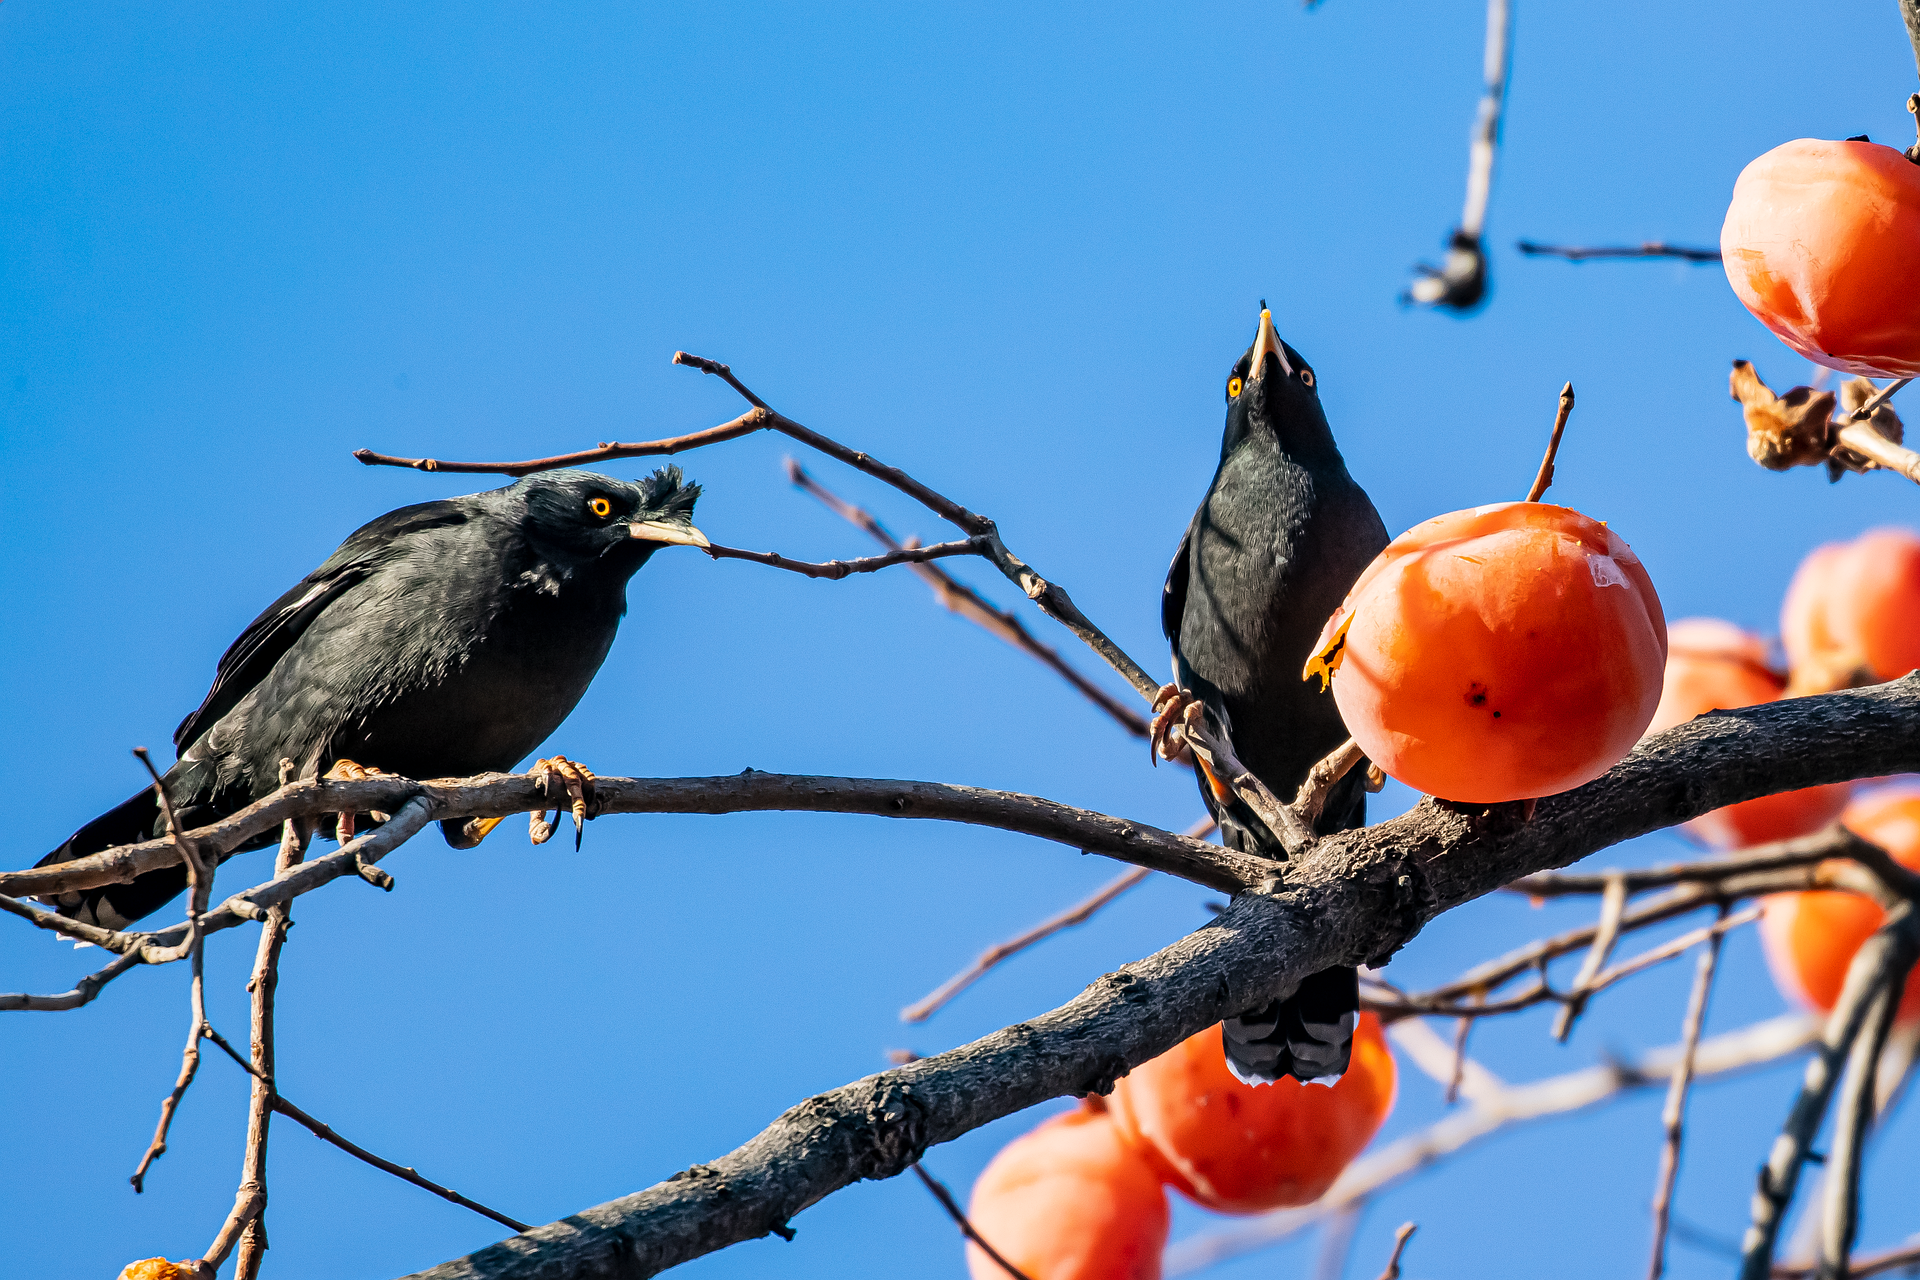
[(347, 771), (578, 782), (1170, 707)]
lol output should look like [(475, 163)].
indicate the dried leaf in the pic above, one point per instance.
[(1794, 430), (1884, 422)]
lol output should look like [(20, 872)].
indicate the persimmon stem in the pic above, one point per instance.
[(1544, 480), (1913, 101)]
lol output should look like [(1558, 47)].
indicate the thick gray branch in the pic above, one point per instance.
[(1352, 898)]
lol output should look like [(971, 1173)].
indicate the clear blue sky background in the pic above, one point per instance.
[(1013, 248)]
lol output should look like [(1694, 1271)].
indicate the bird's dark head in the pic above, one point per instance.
[(1272, 390), (575, 518)]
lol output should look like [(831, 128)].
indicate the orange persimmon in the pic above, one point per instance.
[(1070, 1201), (1507, 652), (1810, 937), (1854, 606), (1242, 1148), (1715, 665), (1822, 244)]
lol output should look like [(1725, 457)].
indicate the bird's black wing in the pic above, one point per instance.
[(1173, 596), (268, 637)]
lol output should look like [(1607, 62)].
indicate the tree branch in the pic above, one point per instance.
[(1351, 898), (1649, 249), (500, 795), (837, 569)]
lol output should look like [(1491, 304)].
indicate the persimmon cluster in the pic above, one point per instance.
[(1082, 1196)]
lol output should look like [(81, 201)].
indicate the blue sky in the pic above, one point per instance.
[(1014, 249)]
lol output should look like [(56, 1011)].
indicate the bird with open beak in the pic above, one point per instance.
[(441, 640), (1281, 535)]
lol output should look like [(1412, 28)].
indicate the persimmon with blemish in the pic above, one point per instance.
[(1070, 1201), (1241, 1148), (1714, 665), (1503, 653), (1810, 938)]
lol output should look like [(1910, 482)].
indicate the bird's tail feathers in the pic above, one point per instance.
[(111, 906), (1307, 1035)]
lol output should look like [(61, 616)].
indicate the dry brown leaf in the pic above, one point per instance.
[(1794, 430), (1884, 422)]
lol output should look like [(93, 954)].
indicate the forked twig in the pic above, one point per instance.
[(1673, 1116)]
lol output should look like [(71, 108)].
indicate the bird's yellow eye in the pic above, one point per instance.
[(1233, 387), (1306, 376), (600, 507)]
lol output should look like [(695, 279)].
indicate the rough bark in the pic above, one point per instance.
[(1356, 897)]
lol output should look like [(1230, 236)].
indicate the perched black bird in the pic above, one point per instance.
[(1280, 537), (444, 639)]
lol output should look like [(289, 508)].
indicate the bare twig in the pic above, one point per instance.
[(1336, 1243), (199, 887), (1648, 249), (1400, 1238), (961, 599), (402, 1172), (759, 419), (1079, 913), (1833, 841), (1461, 280), (1880, 397), (1863, 1265), (1613, 905), (83, 991), (1217, 753), (1841, 1215), (1311, 799), (836, 569), (1891, 950), (947, 1202), (1494, 1111), (1457, 1074), (941, 996), (1422, 1046), (250, 1200), (1543, 479), (1673, 1116), (1051, 598)]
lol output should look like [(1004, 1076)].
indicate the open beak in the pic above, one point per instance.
[(1266, 341), (682, 535)]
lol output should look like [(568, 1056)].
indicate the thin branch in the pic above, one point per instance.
[(1833, 841), (1353, 897), (1863, 1265), (1648, 249), (1311, 800), (249, 1212), (193, 946), (1050, 597), (1336, 1243), (1400, 1238), (1841, 1217), (1893, 949), (1494, 1112), (759, 419), (1673, 1116), (837, 569), (947, 1202), (502, 795), (1880, 397), (1543, 479), (1426, 1050), (1079, 913), (83, 991), (1461, 280), (1613, 905), (961, 599), (1216, 752), (402, 1172)]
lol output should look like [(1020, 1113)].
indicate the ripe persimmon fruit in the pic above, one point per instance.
[(1070, 1201), (1854, 607), (1507, 652), (1714, 665), (1242, 1148), (1810, 937), (1822, 244)]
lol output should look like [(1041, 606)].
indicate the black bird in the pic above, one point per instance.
[(443, 639), (1280, 537)]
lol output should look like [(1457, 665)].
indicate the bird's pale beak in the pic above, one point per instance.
[(1266, 341), (682, 535)]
